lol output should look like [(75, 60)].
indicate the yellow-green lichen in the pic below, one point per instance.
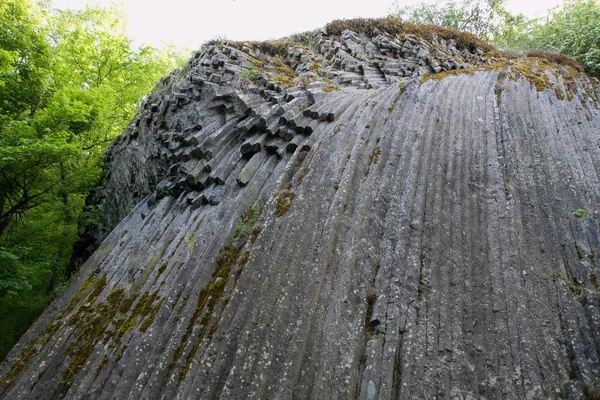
[(330, 88), (105, 323), (207, 300), (441, 75), (283, 69), (305, 172), (533, 69), (283, 202)]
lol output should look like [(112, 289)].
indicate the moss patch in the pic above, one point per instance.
[(230, 262), (83, 291), (284, 81), (439, 76), (105, 323), (91, 288), (283, 202), (371, 298), (207, 300), (283, 69), (396, 100), (534, 69), (27, 355), (556, 58)]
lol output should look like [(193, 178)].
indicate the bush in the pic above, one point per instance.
[(573, 29)]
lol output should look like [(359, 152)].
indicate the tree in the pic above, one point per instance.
[(24, 74), (64, 99), (70, 81), (573, 29), (483, 18)]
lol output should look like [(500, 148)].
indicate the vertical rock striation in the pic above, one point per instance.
[(361, 232)]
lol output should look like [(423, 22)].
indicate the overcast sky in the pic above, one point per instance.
[(188, 23)]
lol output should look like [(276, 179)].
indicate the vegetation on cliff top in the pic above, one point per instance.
[(571, 28), (395, 26)]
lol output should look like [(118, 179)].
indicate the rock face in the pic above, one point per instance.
[(327, 222)]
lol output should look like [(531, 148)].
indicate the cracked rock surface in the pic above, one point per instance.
[(393, 237)]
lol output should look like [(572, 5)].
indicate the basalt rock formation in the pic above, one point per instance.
[(375, 210)]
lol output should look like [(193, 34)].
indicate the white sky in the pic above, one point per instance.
[(188, 23)]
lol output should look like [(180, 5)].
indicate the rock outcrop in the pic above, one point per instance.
[(375, 213)]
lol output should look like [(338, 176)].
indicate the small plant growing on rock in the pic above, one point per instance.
[(249, 74), (579, 213), (246, 226)]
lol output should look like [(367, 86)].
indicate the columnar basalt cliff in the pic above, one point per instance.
[(375, 210)]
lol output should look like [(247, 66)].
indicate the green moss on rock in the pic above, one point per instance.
[(283, 202)]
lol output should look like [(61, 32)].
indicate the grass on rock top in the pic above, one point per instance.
[(394, 26)]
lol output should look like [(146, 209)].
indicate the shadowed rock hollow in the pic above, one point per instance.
[(335, 216)]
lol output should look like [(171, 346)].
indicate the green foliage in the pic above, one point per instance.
[(573, 29), (249, 74), (13, 277), (70, 81), (514, 32), (579, 213), (245, 227), (483, 18)]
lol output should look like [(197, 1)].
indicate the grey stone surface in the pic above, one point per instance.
[(419, 243)]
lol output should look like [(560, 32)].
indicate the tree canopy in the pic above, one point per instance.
[(572, 29), (483, 18), (70, 81)]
